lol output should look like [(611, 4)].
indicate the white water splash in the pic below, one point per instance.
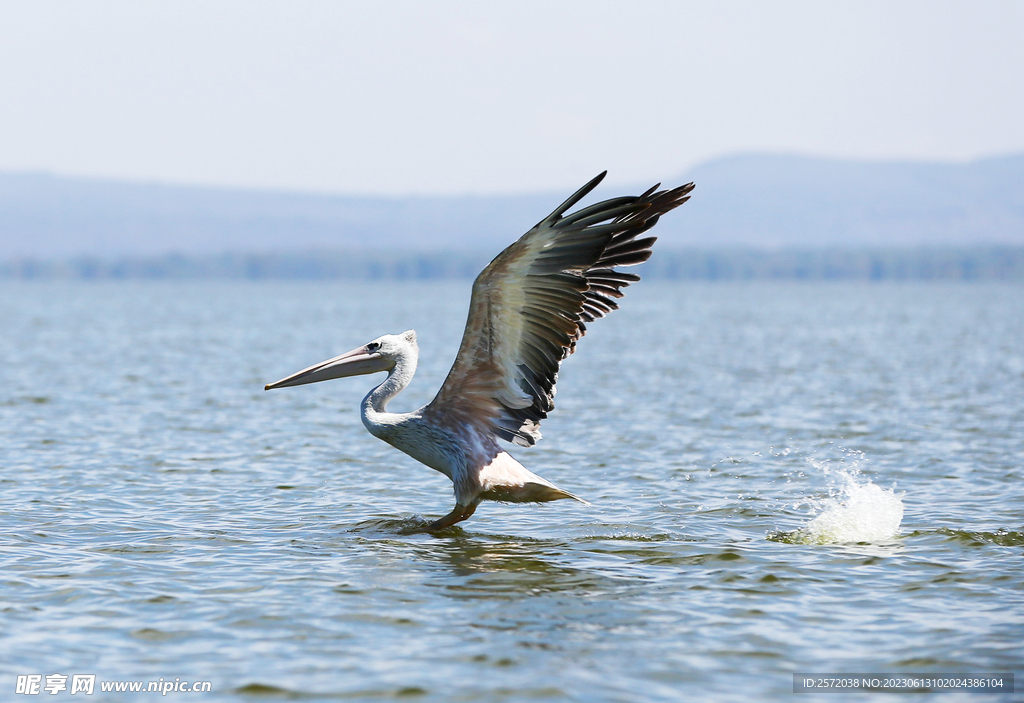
[(855, 511), (863, 512)]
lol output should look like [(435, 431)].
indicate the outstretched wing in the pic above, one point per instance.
[(531, 304)]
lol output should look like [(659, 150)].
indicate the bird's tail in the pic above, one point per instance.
[(547, 491), (506, 480)]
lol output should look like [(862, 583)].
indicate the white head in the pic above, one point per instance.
[(382, 354)]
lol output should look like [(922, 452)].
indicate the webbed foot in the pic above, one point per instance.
[(458, 514)]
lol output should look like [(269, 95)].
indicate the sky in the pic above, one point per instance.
[(496, 97)]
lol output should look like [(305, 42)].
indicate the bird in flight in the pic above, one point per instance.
[(529, 308)]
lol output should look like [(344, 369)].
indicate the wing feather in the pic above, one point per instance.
[(530, 305)]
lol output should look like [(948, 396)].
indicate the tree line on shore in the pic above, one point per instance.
[(955, 264)]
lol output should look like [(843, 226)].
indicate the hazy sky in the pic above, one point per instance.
[(451, 97)]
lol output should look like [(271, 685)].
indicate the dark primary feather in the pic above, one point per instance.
[(531, 304)]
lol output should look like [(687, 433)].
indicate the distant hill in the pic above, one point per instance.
[(792, 201), (754, 201), (45, 216)]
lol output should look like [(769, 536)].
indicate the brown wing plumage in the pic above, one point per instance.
[(531, 304)]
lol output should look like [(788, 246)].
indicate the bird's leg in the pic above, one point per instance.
[(458, 514)]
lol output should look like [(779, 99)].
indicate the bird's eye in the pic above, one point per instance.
[(373, 346)]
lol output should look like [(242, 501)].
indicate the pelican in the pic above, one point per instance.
[(529, 308)]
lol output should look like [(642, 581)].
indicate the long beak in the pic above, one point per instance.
[(354, 363)]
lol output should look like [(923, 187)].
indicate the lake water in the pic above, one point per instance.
[(785, 478)]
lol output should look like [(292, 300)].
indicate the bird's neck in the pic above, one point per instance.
[(374, 409)]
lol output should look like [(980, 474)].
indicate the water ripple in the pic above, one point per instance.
[(163, 517)]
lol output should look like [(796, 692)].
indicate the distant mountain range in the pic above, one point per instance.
[(741, 202)]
